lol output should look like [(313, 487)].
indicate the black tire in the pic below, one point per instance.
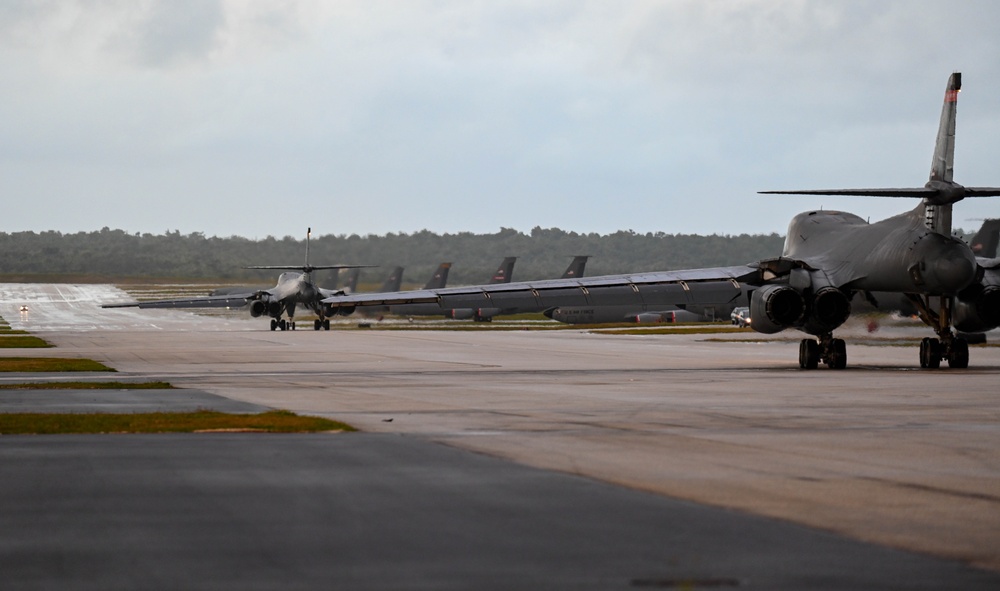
[(839, 360), (808, 354), (958, 357), (930, 353)]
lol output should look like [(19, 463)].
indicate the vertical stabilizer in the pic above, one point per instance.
[(440, 277), (393, 281), (308, 236), (943, 164), (984, 243), (937, 216), (351, 283), (504, 273), (575, 269)]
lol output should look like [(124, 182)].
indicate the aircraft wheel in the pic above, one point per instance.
[(282, 324), (808, 354), (930, 353), (274, 324), (291, 325), (836, 354), (316, 324), (839, 356), (326, 324), (958, 357)]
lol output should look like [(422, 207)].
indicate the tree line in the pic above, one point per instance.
[(109, 255)]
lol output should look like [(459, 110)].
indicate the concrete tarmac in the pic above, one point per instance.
[(881, 452)]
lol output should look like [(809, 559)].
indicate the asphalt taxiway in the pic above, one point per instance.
[(881, 455)]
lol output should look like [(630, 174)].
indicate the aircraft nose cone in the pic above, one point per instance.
[(952, 271)]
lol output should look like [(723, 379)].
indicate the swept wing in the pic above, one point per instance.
[(716, 285)]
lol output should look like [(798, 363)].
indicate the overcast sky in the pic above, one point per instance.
[(259, 118)]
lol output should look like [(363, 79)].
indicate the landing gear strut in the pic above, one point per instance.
[(281, 324), (829, 350), (953, 349)]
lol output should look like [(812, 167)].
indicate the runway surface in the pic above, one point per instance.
[(881, 452)]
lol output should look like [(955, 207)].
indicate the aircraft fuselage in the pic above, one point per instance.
[(898, 254)]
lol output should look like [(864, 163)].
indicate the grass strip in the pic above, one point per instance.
[(22, 342), (46, 364), (710, 329), (278, 421), (88, 386)]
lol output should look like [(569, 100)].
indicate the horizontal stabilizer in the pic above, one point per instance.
[(915, 192), (945, 194), (308, 268)]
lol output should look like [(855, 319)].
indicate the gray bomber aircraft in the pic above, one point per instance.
[(294, 288), (983, 244), (828, 257)]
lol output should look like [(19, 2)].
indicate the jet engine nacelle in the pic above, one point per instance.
[(486, 314), (461, 313), (977, 308), (258, 308), (775, 308), (345, 310), (654, 317), (829, 308)]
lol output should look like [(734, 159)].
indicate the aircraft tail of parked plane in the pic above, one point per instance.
[(577, 267), (505, 272), (394, 281), (984, 242), (440, 277), (351, 281)]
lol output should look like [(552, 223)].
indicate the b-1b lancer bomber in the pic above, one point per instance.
[(828, 258), (294, 288)]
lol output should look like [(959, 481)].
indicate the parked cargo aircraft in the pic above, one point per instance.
[(294, 288), (437, 280), (503, 274), (828, 257), (576, 268)]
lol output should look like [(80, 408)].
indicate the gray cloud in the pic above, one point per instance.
[(256, 118)]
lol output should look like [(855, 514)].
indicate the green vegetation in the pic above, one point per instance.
[(679, 329), (111, 255), (88, 386), (191, 422), (8, 341), (46, 364), (114, 256)]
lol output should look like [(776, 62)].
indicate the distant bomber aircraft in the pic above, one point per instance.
[(294, 288), (828, 257)]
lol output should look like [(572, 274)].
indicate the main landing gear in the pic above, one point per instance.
[(321, 324), (955, 350), (949, 347), (831, 351), (282, 324)]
